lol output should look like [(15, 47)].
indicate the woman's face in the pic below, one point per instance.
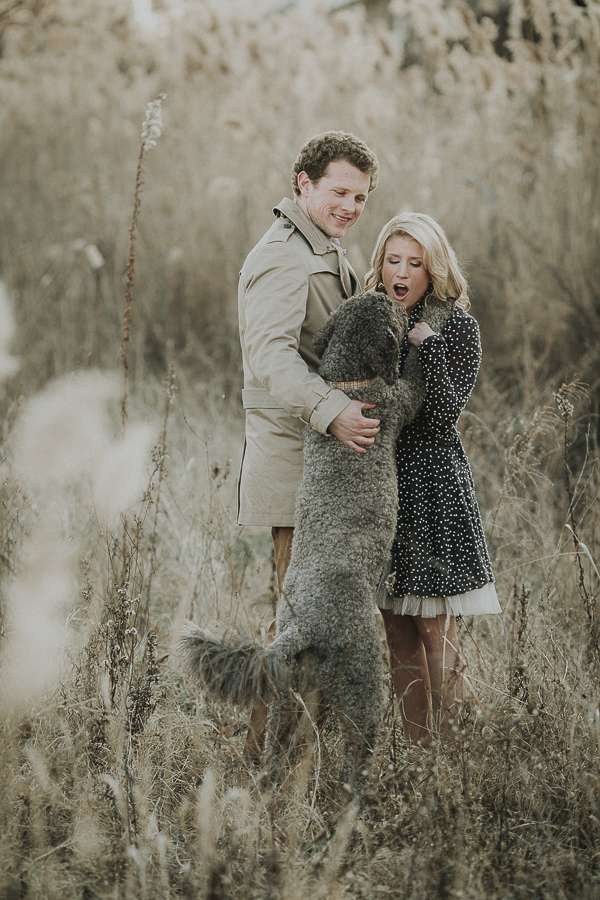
[(404, 276)]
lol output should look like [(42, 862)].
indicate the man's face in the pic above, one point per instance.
[(336, 200)]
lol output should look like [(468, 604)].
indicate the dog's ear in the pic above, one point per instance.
[(323, 336), (401, 319), (437, 312), (385, 360), (389, 324)]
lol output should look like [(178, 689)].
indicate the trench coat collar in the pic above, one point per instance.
[(317, 239)]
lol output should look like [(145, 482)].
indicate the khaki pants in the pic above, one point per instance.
[(255, 739)]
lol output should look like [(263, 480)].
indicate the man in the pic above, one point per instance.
[(290, 283)]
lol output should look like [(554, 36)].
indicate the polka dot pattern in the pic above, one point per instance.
[(440, 548)]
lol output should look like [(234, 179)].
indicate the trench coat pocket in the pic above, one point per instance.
[(259, 398)]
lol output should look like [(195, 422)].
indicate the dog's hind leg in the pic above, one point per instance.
[(291, 729), (355, 698), (282, 729)]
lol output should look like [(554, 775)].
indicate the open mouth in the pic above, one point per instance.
[(400, 291)]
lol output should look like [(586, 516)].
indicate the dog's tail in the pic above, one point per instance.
[(238, 671)]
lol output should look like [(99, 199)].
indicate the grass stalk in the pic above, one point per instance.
[(151, 131)]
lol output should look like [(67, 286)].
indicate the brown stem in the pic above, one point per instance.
[(137, 200)]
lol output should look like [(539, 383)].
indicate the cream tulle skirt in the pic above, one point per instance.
[(481, 601)]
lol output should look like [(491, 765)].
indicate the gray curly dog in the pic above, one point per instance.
[(327, 647)]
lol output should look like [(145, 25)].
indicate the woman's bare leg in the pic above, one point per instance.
[(447, 669), (410, 676)]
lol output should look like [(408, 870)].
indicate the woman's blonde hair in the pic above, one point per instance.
[(448, 281)]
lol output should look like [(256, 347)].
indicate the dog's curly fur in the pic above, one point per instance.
[(345, 518)]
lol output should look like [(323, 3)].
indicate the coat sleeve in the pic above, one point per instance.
[(450, 364), (275, 300)]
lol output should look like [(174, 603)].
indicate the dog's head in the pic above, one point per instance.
[(361, 339)]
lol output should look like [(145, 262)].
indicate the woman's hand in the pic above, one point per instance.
[(419, 333)]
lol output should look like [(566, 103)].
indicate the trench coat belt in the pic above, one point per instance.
[(259, 398)]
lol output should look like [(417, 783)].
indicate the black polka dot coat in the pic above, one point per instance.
[(440, 547)]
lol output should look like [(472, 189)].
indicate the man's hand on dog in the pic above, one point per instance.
[(353, 429)]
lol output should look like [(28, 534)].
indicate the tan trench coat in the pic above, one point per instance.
[(289, 285)]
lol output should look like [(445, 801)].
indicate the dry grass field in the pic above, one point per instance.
[(122, 429)]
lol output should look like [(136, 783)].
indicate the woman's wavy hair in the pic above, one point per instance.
[(322, 149), (448, 281)]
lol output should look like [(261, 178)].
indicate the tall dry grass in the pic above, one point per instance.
[(502, 147), (118, 781), (122, 782)]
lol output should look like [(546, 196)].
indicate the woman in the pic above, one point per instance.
[(440, 563)]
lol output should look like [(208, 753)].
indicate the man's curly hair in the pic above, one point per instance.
[(322, 149)]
